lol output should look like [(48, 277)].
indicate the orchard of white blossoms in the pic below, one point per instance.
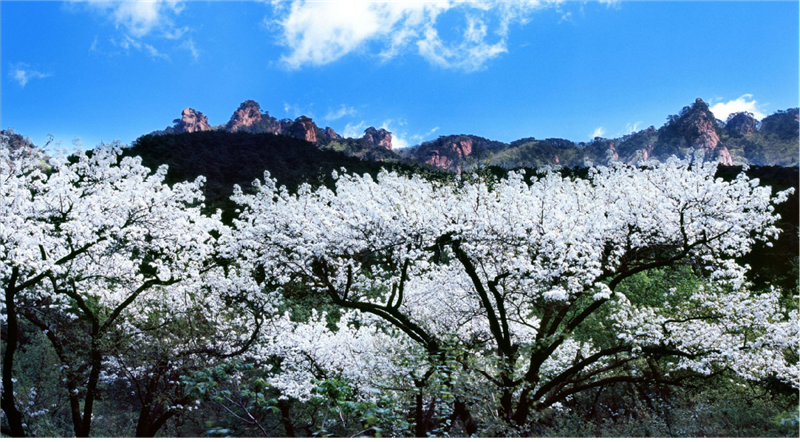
[(477, 301), (116, 269), (515, 287)]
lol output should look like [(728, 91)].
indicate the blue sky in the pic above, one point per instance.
[(106, 71)]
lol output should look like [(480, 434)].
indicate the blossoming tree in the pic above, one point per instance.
[(515, 288), (90, 253)]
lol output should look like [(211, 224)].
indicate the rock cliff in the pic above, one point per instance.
[(741, 124), (303, 128), (248, 114), (331, 133), (378, 137), (190, 121), (741, 140)]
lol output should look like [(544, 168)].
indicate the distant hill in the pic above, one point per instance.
[(228, 158), (740, 140)]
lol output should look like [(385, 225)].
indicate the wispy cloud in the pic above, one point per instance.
[(599, 132), (140, 18), (745, 103), (139, 24), (318, 33), (294, 110), (176, 34), (127, 43), (417, 138), (22, 73), (189, 45), (354, 130), (610, 3), (343, 111), (631, 128)]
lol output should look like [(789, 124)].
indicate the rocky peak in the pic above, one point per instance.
[(694, 127), (701, 127), (449, 152), (331, 133), (248, 114), (741, 124), (378, 137), (783, 124), (190, 121), (303, 128)]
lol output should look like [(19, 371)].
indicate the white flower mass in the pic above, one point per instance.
[(509, 278)]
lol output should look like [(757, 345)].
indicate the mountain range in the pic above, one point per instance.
[(742, 139)]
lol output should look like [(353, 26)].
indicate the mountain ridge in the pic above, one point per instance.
[(742, 139)]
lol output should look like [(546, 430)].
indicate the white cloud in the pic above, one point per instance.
[(176, 34), (431, 131), (745, 103), (22, 73), (140, 18), (127, 43), (610, 3), (353, 130), (294, 110), (153, 52), (399, 139), (188, 44), (341, 112), (318, 33), (631, 128), (599, 132)]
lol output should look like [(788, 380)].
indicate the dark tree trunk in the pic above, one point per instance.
[(285, 420), (13, 415), (419, 417), (147, 426)]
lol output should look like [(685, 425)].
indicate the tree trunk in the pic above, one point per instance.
[(147, 426), (15, 428), (287, 423)]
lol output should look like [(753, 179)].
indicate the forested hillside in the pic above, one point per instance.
[(226, 158), (693, 131), (740, 140)]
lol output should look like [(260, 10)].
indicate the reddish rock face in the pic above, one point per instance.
[(700, 127), (707, 137), (450, 154), (614, 152), (331, 133), (646, 153), (721, 155), (378, 137), (438, 160), (304, 129), (463, 147), (192, 121), (244, 117)]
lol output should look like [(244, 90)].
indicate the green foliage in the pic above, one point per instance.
[(721, 407), (344, 415)]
